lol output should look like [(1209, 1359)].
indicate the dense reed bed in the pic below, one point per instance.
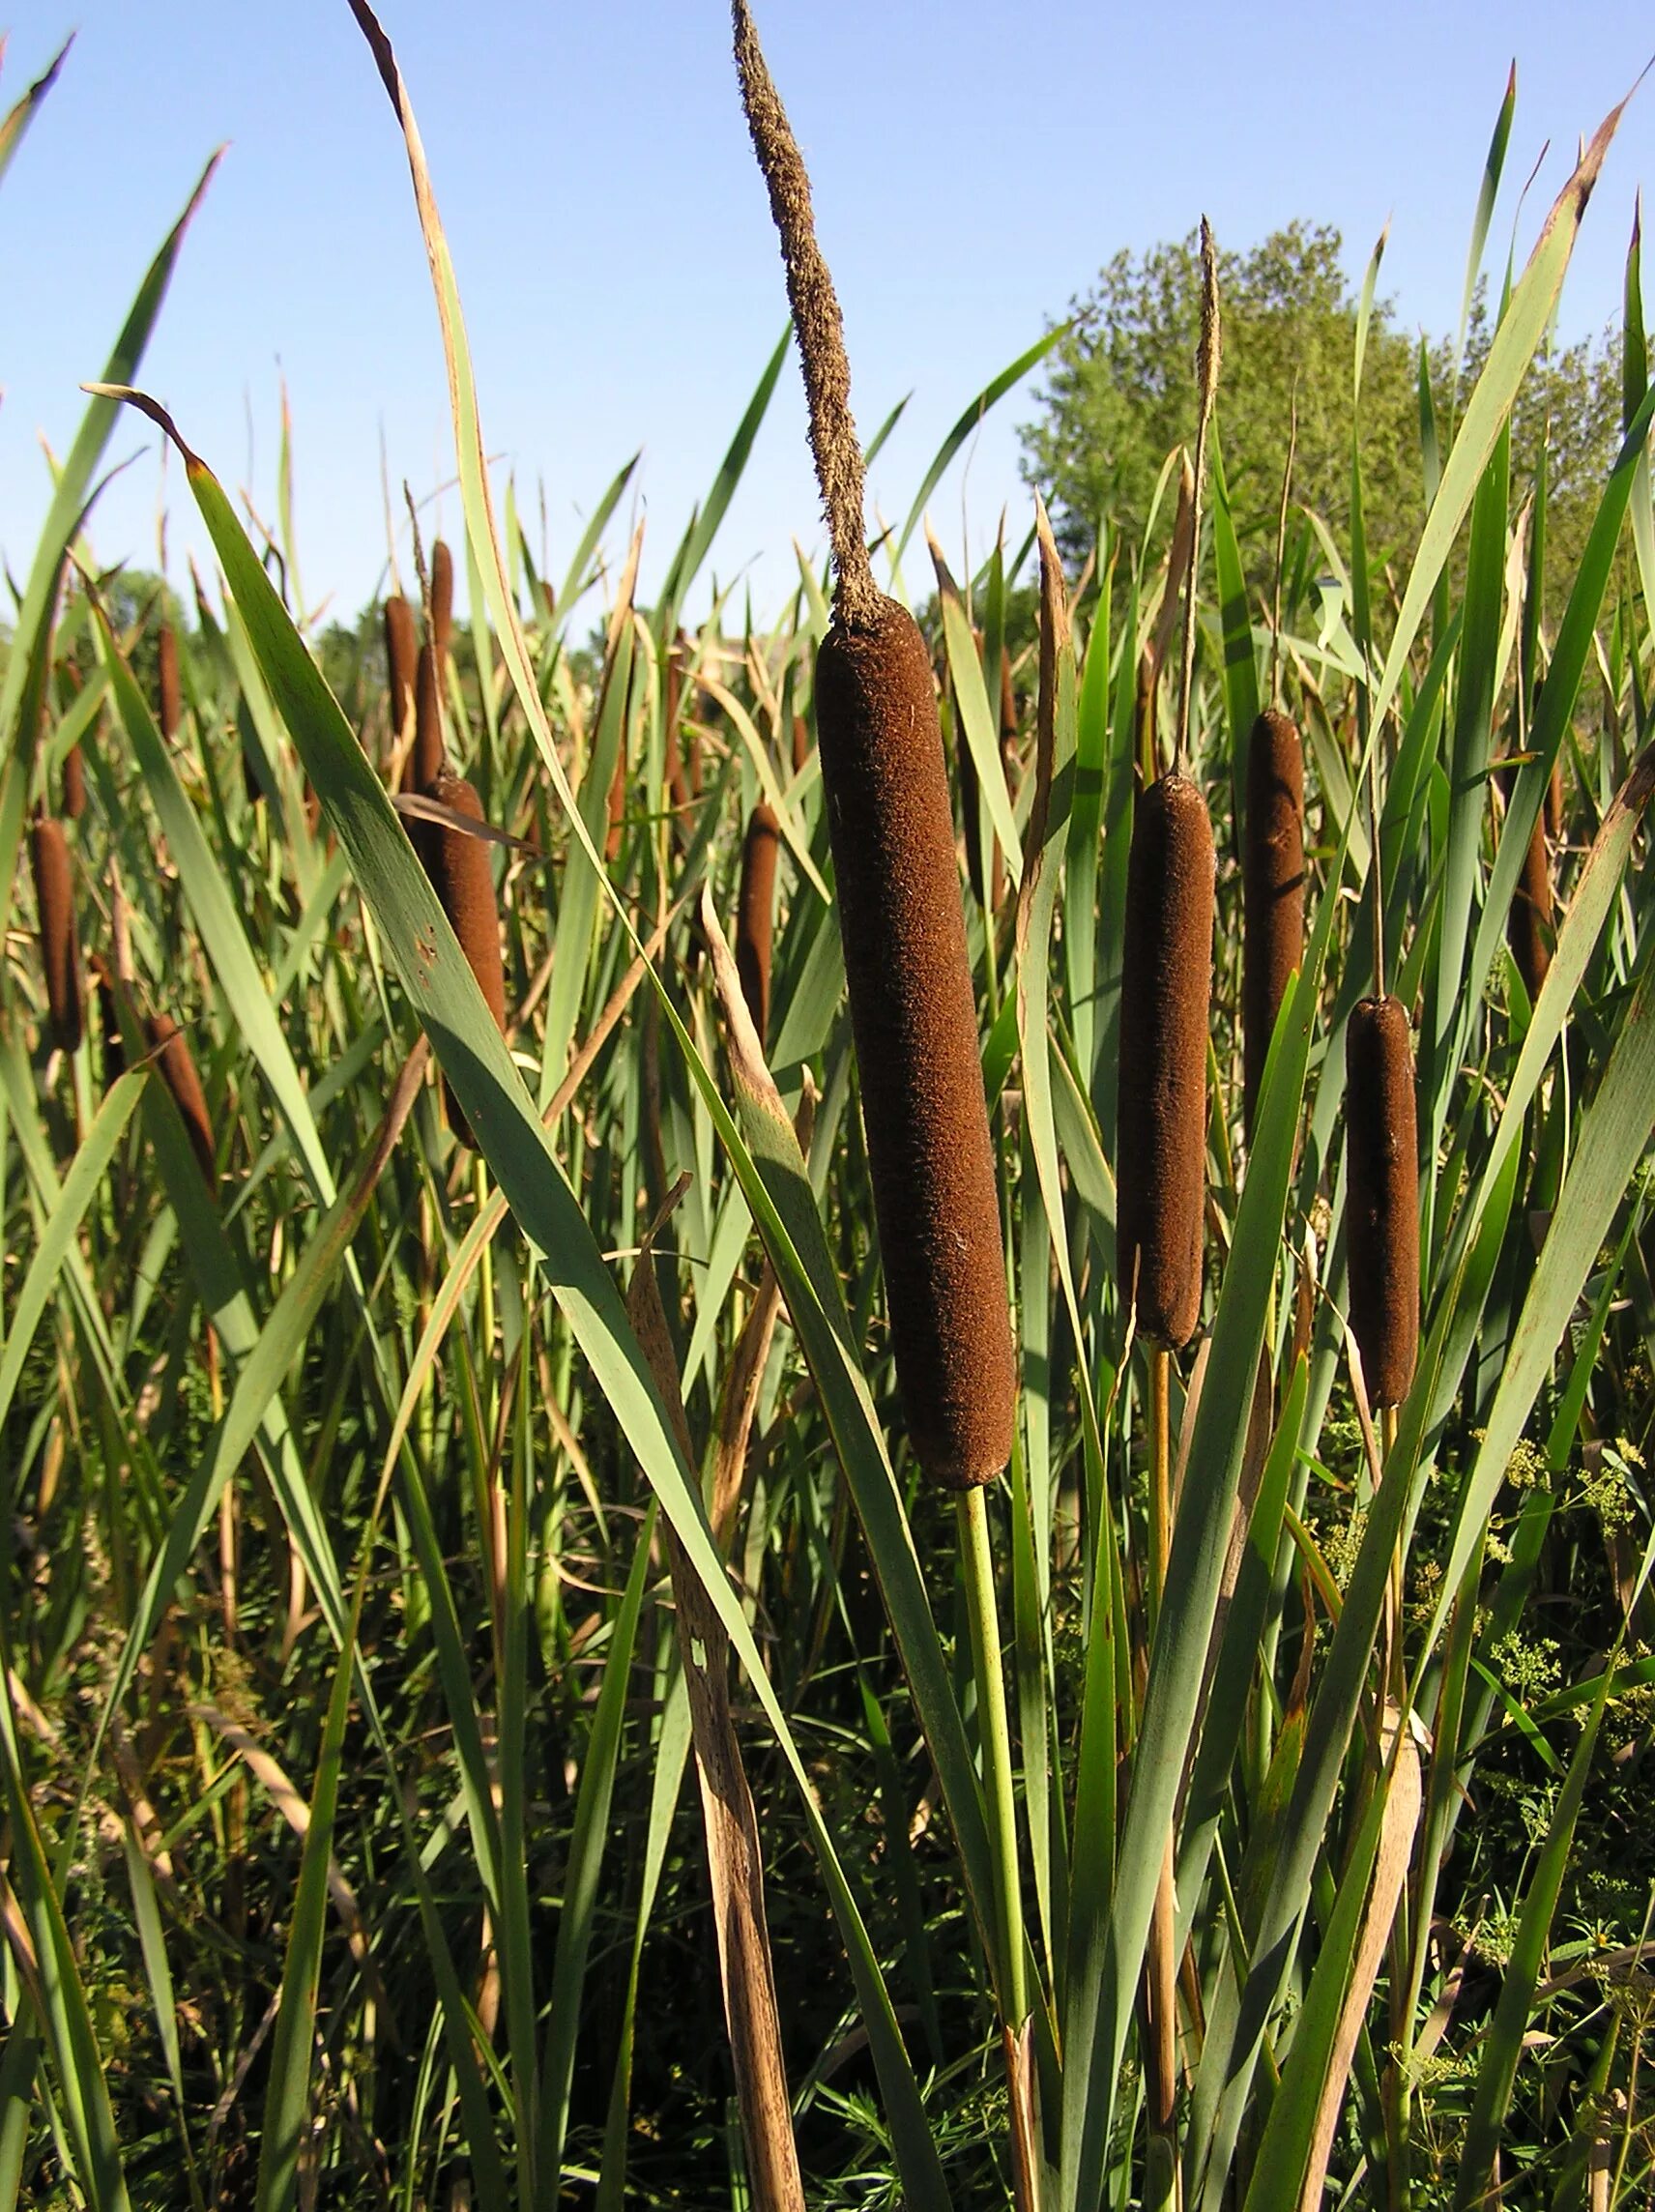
[(816, 1615)]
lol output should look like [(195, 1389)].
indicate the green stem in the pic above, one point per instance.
[(1010, 1981)]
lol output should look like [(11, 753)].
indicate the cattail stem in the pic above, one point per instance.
[(1161, 1957), (989, 1672), (1208, 356)]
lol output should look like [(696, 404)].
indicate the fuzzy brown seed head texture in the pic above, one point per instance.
[(73, 784), (401, 658), (424, 763), (1272, 869), (1382, 1206), (463, 880), (914, 1025), (178, 1071), (172, 691), (1528, 926), (109, 1020), (442, 600), (1166, 996), (754, 914), (54, 903)]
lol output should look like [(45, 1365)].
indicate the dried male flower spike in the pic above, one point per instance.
[(442, 600), (754, 913), (1165, 1004), (458, 866), (171, 690), (178, 1071), (1381, 1212), (401, 658), (1272, 871), (54, 903)]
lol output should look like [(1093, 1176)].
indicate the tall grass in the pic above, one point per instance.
[(379, 1568)]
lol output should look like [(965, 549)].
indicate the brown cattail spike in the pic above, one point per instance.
[(109, 1020), (1528, 926), (73, 784), (54, 903), (801, 743), (177, 1066), (1165, 1003), (1382, 1203), (1272, 870), (915, 1023), (401, 658), (754, 911), (464, 883), (424, 763), (1554, 803), (442, 600), (172, 691)]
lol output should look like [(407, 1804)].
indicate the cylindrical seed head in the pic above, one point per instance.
[(54, 903), (424, 763), (1382, 1207), (754, 911), (801, 743), (171, 690), (1554, 803), (442, 600), (913, 1018), (1272, 870), (1165, 1005), (73, 784), (401, 658), (178, 1071), (109, 1020), (1528, 925), (464, 883)]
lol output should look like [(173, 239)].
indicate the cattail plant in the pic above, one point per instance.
[(178, 1071), (441, 602), (458, 865), (754, 913), (678, 788), (54, 903), (167, 679), (801, 743), (1272, 875), (401, 658), (1382, 1206), (890, 825)]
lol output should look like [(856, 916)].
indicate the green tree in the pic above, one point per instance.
[(1120, 395)]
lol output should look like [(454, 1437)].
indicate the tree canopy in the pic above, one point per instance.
[(1120, 395)]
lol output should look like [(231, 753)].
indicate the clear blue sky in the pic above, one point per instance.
[(973, 166)]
